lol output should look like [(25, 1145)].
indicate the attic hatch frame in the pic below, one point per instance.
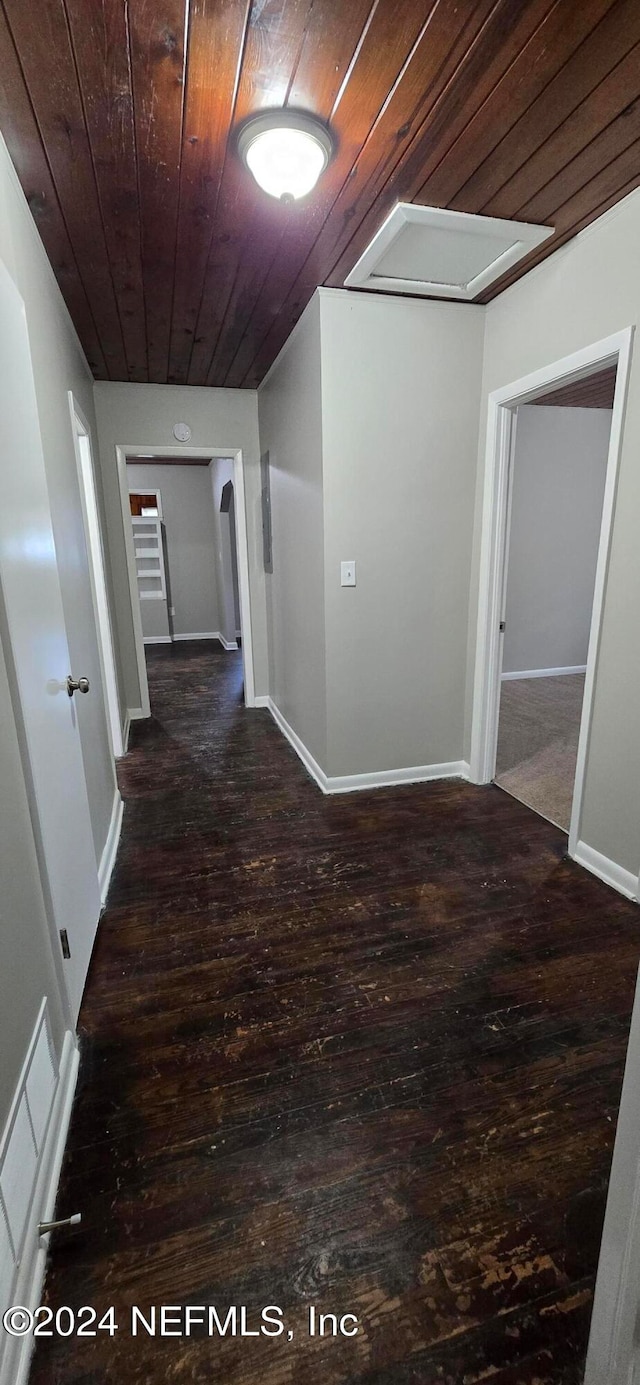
[(523, 237)]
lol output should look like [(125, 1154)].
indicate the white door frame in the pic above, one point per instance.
[(95, 554), (131, 453), (502, 405), (613, 1356)]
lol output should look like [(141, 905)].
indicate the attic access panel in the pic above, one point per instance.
[(442, 254)]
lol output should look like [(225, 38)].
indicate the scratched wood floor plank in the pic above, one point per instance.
[(357, 1052)]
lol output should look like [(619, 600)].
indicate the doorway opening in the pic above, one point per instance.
[(556, 483), (609, 360), (186, 537)]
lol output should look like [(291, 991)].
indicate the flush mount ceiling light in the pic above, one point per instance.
[(286, 151), (442, 254)]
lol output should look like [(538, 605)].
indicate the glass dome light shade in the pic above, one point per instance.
[(286, 152)]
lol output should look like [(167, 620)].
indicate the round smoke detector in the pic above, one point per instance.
[(182, 432)]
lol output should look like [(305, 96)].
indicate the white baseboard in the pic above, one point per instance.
[(15, 1352), (192, 635), (132, 714), (622, 880), (209, 635), (544, 672), (110, 851), (350, 783), (385, 779), (262, 700), (299, 746)]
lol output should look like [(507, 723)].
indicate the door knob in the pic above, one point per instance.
[(81, 685)]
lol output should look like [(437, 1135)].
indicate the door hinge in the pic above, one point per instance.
[(64, 939), (503, 625)]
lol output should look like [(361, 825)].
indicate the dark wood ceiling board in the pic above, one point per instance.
[(618, 172), (612, 97), (216, 42), (332, 35), (603, 193), (609, 144), (275, 38), (249, 281), (379, 67), (506, 104), (243, 245), (473, 76), (168, 253), (60, 118), (431, 116), (277, 220), (355, 110), (156, 38), (22, 137), (100, 42), (596, 392), (601, 43), (274, 45), (290, 225)]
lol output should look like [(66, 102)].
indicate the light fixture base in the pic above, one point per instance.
[(286, 151)]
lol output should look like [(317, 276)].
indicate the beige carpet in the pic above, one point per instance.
[(538, 743)]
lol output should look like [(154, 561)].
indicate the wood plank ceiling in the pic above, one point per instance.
[(120, 118), (596, 392)]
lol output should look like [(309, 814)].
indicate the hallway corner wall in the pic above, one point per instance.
[(582, 294), (401, 383), (290, 411)]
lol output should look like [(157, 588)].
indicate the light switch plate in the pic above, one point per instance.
[(348, 573)]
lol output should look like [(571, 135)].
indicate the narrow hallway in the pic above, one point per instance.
[(358, 1052)]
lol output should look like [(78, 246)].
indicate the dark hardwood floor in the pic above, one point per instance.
[(362, 1053)]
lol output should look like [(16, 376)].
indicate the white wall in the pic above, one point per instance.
[(190, 545), (143, 416), (587, 290), (28, 968), (291, 430), (59, 365), (556, 513), (400, 410)]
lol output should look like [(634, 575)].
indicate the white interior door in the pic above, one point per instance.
[(33, 630), (95, 555)]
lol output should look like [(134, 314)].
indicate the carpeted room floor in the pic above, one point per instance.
[(538, 742)]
